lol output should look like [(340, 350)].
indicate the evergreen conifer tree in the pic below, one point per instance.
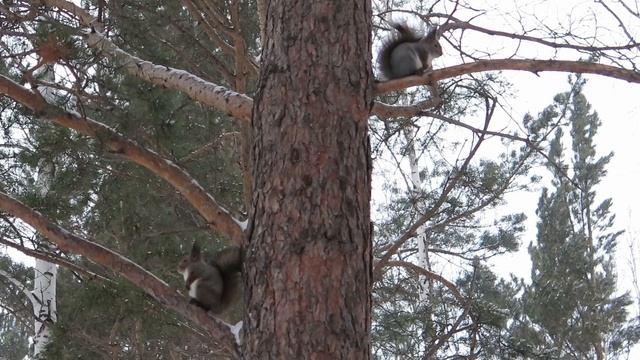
[(572, 303)]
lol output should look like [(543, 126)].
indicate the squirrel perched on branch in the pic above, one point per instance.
[(407, 53), (214, 285)]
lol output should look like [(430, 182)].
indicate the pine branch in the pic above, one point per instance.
[(133, 272), (216, 216)]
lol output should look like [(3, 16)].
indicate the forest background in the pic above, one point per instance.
[(441, 295)]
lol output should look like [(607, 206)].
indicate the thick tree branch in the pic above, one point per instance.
[(205, 92), (230, 102), (133, 272), (534, 66), (216, 216), (244, 69)]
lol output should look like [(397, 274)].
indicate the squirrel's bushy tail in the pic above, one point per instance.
[(403, 34), (229, 262)]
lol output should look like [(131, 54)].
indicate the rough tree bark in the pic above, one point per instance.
[(308, 269)]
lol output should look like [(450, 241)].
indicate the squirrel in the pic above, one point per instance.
[(407, 53), (212, 286)]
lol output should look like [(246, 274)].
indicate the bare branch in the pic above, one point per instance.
[(534, 66), (449, 185), (466, 25), (433, 276), (54, 259), (385, 111), (620, 22)]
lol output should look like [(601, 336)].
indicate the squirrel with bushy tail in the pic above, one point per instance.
[(406, 52), (213, 285)]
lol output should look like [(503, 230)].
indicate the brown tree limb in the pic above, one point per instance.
[(534, 66), (133, 272), (244, 70), (217, 217), (245, 66)]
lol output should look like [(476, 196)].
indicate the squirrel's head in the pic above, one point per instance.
[(194, 257), (431, 41)]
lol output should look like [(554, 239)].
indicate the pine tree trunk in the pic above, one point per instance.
[(308, 257)]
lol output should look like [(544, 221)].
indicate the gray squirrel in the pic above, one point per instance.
[(407, 53), (212, 286)]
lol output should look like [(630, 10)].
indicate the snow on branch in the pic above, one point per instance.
[(228, 101), (217, 217), (231, 103)]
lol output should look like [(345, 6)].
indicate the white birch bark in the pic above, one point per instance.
[(422, 257), (44, 291), (425, 285), (45, 273)]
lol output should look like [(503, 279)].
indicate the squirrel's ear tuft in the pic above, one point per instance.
[(432, 35), (195, 251)]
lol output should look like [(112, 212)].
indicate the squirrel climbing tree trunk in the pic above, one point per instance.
[(308, 256)]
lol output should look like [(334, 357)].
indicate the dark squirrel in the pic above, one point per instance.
[(405, 52), (212, 286)]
